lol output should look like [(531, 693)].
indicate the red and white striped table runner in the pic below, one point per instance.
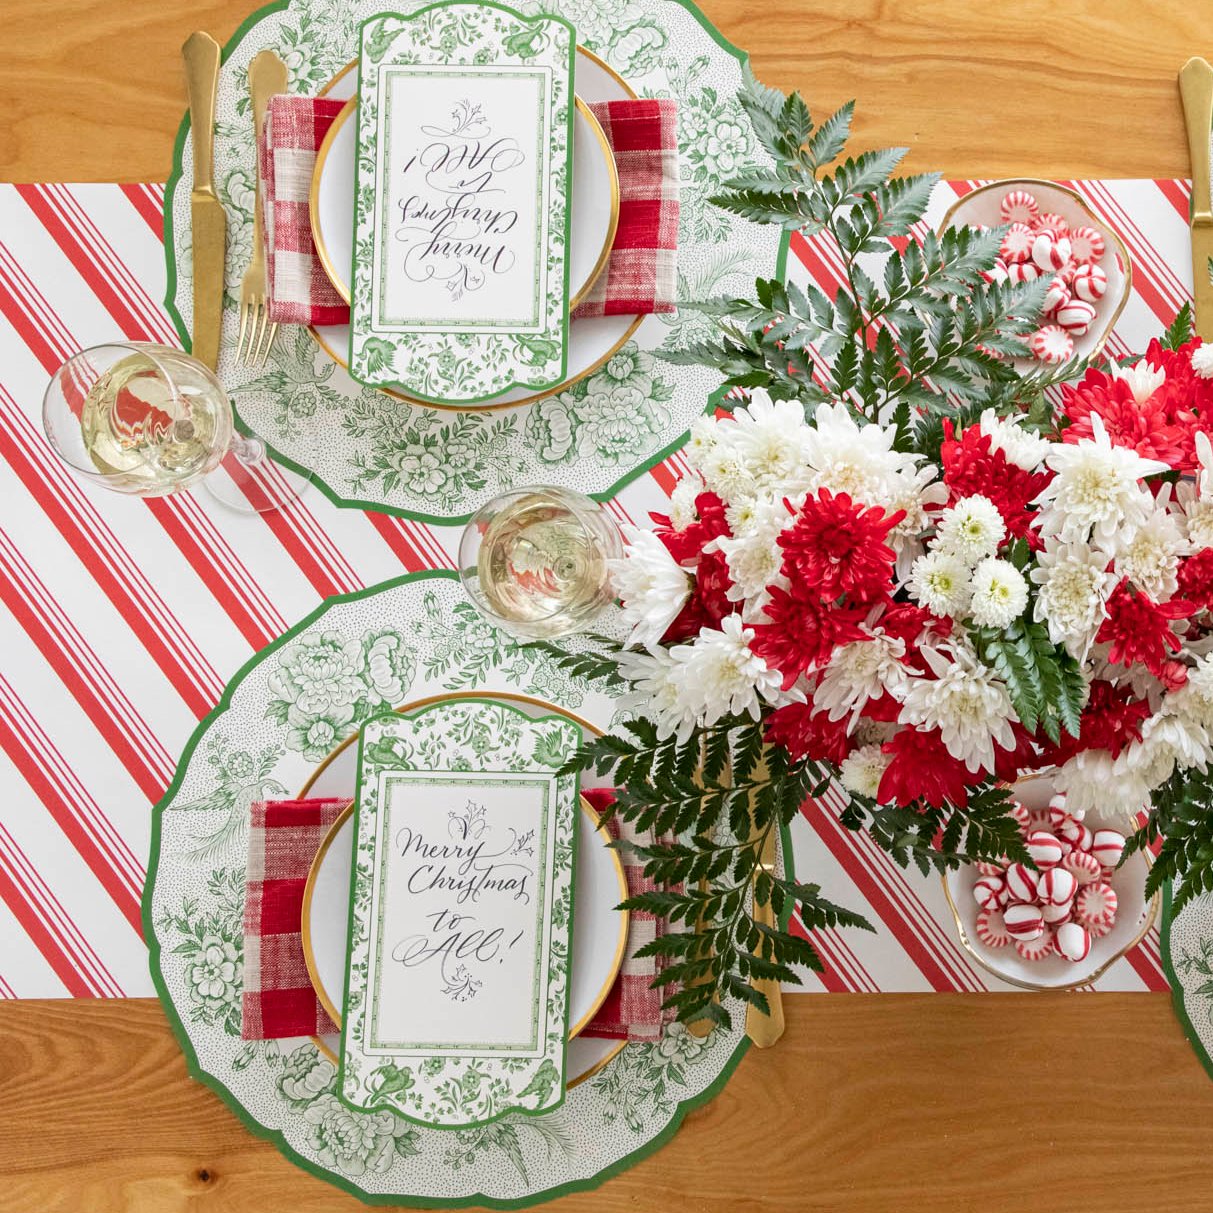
[(123, 620)]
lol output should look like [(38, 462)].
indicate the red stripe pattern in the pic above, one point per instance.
[(122, 620)]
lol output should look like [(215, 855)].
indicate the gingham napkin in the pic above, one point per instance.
[(642, 273), (632, 1010), (299, 290), (640, 276), (278, 1000)]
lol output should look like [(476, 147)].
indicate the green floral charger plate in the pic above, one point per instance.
[(369, 450), (1186, 944), (286, 710)]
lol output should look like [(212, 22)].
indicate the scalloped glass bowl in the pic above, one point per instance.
[(979, 208), (1134, 918)]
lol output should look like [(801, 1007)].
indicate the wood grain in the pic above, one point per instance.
[(935, 1102), (92, 92), (870, 1104)]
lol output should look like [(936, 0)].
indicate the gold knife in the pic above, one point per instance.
[(207, 220), (765, 1028), (1196, 92)]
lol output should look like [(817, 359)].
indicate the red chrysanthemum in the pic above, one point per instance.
[(1195, 577), (972, 468), (1139, 629), (805, 733), (922, 769), (837, 547), (686, 545), (803, 631), (1161, 427), (884, 709), (1025, 756), (1111, 721), (709, 601), (911, 624)]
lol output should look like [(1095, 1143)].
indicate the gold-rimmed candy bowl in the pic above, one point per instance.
[(1135, 912)]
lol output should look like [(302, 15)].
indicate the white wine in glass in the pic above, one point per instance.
[(535, 561), (150, 420)]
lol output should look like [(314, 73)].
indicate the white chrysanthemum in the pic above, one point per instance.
[(1091, 783), (725, 472), (939, 581), (971, 529), (772, 439), (913, 495), (1072, 590), (966, 702), (1143, 379), (1194, 501), (657, 692), (1168, 740), (700, 441), (721, 675), (753, 553), (1194, 700), (682, 502), (652, 587), (1023, 449), (1097, 491), (1000, 593), (1151, 557), (1202, 361), (860, 672), (858, 460), (862, 770)]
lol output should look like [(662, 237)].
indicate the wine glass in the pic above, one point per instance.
[(535, 561), (150, 420)]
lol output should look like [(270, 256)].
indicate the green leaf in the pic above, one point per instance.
[(831, 136), (1180, 329)]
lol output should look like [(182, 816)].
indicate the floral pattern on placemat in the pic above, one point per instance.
[(1186, 944), (368, 449), (399, 642)]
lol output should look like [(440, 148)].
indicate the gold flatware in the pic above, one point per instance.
[(764, 1028), (1196, 92), (207, 220), (266, 76)]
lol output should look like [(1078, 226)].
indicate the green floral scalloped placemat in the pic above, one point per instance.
[(284, 711), (369, 450), (1186, 944)]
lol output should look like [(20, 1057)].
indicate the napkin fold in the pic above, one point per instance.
[(641, 275), (278, 998)]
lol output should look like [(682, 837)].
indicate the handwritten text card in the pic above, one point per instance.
[(457, 995), (461, 244)]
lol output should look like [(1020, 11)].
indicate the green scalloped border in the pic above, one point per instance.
[(1178, 994), (275, 1136), (170, 294)]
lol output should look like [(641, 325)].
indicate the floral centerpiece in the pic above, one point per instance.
[(900, 563)]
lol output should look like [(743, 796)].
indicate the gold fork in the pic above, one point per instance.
[(266, 76)]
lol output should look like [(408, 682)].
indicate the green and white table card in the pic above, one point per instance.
[(456, 1001), (461, 218)]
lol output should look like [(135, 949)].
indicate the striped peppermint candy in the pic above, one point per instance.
[(1024, 921), (1087, 245), (1056, 887), (1016, 246), (1052, 223), (1036, 949), (1089, 283), (1021, 882), (1095, 907), (1018, 206), (1045, 850), (1076, 316), (1051, 252), (1084, 867), (1073, 941), (1051, 344)]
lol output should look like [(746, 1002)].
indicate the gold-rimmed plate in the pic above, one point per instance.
[(599, 929), (1135, 915), (592, 340)]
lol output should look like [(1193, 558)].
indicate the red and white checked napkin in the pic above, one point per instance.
[(278, 1000), (632, 1010), (640, 276), (642, 273), (299, 290)]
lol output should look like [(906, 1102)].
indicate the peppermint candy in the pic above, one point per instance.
[(1051, 344), (1051, 252), (1083, 866), (1056, 887), (1053, 224), (1018, 206), (1089, 283), (1045, 850), (1108, 846), (1073, 941), (1086, 245), (1076, 316), (1021, 882), (1036, 949), (1095, 907), (1016, 244), (1024, 921), (992, 929), (988, 891)]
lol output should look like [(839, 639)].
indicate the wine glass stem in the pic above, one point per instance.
[(249, 451)]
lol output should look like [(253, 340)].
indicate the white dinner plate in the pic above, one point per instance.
[(592, 340), (599, 929)]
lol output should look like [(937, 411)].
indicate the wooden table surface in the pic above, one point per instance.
[(875, 1103)]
